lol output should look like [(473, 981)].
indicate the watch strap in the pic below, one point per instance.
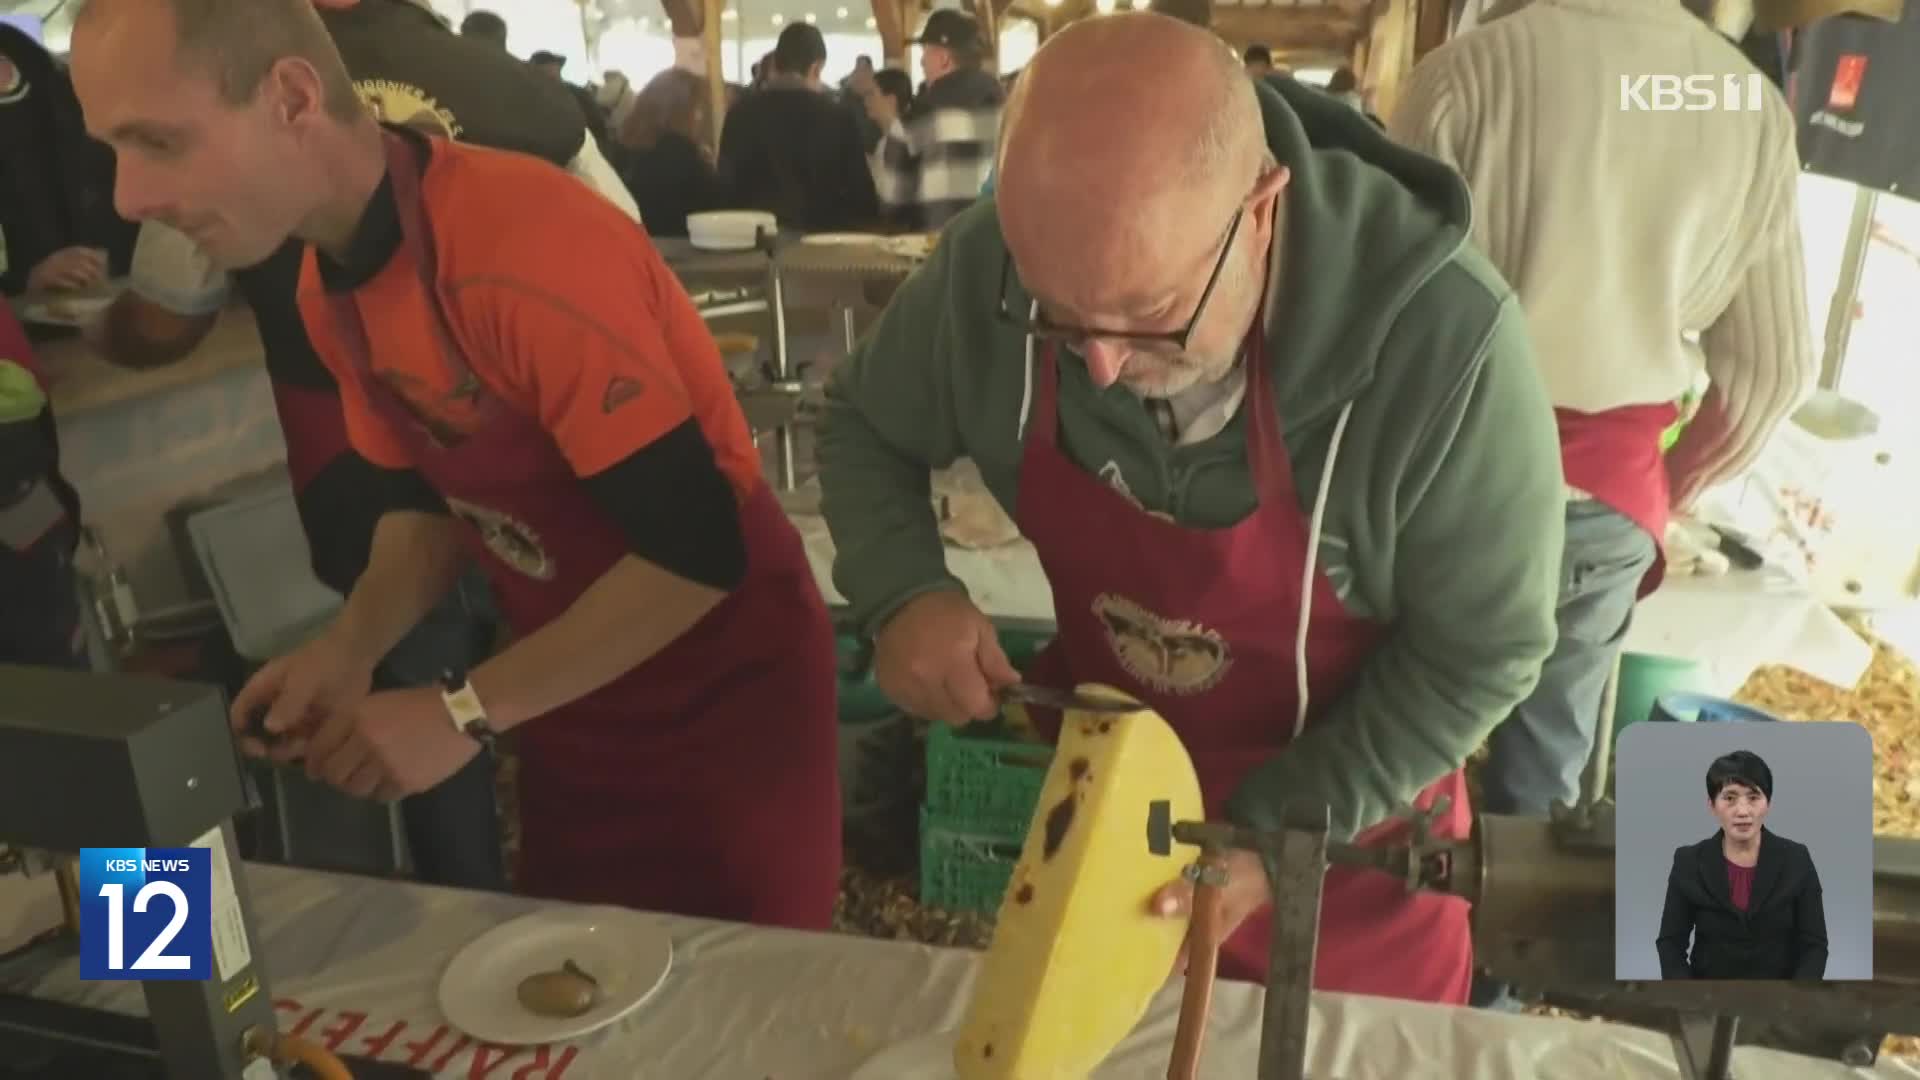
[(465, 709)]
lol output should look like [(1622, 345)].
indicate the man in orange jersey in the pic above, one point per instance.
[(547, 375)]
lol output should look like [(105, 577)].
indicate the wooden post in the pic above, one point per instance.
[(698, 21), (889, 22), (1390, 52), (1436, 22), (716, 71)]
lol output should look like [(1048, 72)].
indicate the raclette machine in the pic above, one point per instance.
[(113, 760)]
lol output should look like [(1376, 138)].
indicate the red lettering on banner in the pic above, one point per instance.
[(287, 1005), (306, 1022), (441, 1065), (543, 1067), (377, 1044), (349, 1023), (487, 1058), (417, 1052)]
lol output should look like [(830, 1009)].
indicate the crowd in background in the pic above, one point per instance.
[(875, 152)]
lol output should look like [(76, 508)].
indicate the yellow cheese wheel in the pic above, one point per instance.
[(1076, 957)]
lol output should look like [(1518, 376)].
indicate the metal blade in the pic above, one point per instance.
[(1046, 697)]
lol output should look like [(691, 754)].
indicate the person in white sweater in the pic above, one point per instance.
[(1649, 249)]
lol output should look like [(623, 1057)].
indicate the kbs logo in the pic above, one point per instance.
[(1692, 93), (145, 913)]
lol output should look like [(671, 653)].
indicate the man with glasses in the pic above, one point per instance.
[(1334, 594)]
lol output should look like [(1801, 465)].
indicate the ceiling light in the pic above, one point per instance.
[(841, 13), (871, 23), (810, 19), (778, 18), (729, 15), (1104, 7)]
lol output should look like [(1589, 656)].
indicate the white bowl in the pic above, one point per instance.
[(729, 230)]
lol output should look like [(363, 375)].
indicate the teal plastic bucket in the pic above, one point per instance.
[(1645, 677), (1706, 709)]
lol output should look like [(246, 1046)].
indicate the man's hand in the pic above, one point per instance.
[(69, 269), (1247, 891), (396, 743), (939, 657), (299, 692)]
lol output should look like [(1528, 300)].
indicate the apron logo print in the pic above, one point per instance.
[(1173, 657), (620, 390), (510, 541), (406, 105)]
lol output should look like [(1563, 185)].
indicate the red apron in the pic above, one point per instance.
[(1200, 624), (314, 427), (703, 782), (1615, 457)]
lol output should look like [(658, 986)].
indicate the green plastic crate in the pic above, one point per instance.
[(962, 868), (986, 778)]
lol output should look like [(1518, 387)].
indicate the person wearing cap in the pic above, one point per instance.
[(39, 518), (410, 70), (935, 159), (794, 150), (552, 65), (1226, 356)]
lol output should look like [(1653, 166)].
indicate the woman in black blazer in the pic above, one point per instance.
[(1749, 898)]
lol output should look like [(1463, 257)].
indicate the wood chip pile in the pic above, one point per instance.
[(1886, 702)]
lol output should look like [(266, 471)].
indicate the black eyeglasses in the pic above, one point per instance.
[(1172, 341)]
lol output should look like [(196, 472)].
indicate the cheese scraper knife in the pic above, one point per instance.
[(1049, 698)]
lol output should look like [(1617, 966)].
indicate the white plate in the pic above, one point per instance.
[(845, 239), (628, 952), (929, 1057), (74, 311)]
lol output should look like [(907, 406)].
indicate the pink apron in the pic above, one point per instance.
[(703, 782), (1200, 624)]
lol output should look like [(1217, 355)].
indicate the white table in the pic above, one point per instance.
[(354, 962)]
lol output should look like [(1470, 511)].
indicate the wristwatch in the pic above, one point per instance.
[(469, 716)]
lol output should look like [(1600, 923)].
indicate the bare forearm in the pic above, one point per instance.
[(634, 611), (414, 560)]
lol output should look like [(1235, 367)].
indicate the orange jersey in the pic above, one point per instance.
[(563, 308)]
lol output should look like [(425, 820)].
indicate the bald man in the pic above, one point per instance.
[(1272, 426)]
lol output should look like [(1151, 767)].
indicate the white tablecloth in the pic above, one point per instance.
[(355, 962)]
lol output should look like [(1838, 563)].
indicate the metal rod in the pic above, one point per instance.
[(1846, 291), (737, 307), (1600, 762), (848, 329), (782, 372), (1203, 966)]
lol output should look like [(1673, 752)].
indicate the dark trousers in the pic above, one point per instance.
[(453, 830), (1538, 755)]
